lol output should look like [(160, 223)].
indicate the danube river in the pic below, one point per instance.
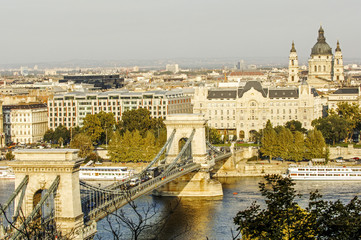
[(199, 219)]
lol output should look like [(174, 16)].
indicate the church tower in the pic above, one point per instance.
[(338, 75), (293, 76), (320, 64)]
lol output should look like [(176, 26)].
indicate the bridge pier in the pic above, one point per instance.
[(194, 184), (44, 167)]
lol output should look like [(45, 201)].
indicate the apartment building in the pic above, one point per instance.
[(25, 123), (70, 109)]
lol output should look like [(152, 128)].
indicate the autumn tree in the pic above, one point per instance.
[(315, 146), (84, 143), (297, 147), (92, 127), (268, 141), (284, 140), (132, 147)]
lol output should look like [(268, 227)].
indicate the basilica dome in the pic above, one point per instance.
[(321, 47)]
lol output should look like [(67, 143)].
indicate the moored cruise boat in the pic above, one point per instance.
[(104, 173), (6, 173), (343, 173)]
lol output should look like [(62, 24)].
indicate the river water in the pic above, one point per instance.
[(199, 219)]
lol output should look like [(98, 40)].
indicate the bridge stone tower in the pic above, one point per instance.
[(184, 125), (43, 166), (194, 184)]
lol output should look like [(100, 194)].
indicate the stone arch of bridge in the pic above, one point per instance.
[(184, 124)]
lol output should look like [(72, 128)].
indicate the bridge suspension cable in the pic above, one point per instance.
[(180, 154), (51, 190), (156, 158), (169, 142), (22, 186), (213, 148)]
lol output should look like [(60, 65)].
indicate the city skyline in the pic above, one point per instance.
[(42, 31)]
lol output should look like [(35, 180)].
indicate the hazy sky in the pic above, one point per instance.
[(58, 30)]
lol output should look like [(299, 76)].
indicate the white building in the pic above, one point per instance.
[(25, 123), (172, 68), (69, 109), (243, 110)]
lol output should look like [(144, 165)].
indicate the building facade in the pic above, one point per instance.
[(349, 95), (70, 109), (323, 67), (99, 81), (242, 111), (25, 123)]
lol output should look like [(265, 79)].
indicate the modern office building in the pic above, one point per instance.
[(69, 109), (243, 110), (99, 81), (25, 123)]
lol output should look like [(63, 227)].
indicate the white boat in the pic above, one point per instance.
[(104, 173), (338, 173), (6, 173)]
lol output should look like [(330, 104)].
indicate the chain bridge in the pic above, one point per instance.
[(48, 191)]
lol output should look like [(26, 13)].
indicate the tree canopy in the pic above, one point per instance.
[(132, 147), (141, 120), (213, 135), (61, 132), (84, 143), (333, 128), (283, 218), (287, 144)]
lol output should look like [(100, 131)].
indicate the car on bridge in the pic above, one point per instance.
[(134, 182)]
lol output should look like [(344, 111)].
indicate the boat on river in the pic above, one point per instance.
[(338, 173), (104, 173), (6, 173)]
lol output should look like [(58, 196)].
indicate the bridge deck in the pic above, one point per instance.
[(122, 199)]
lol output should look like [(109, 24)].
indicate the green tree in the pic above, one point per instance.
[(92, 127), (351, 113), (294, 126), (49, 135), (315, 146), (333, 128), (268, 141), (139, 119), (282, 218), (213, 135), (61, 132), (150, 147), (284, 143), (84, 143), (115, 150), (107, 123), (9, 156), (297, 148)]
